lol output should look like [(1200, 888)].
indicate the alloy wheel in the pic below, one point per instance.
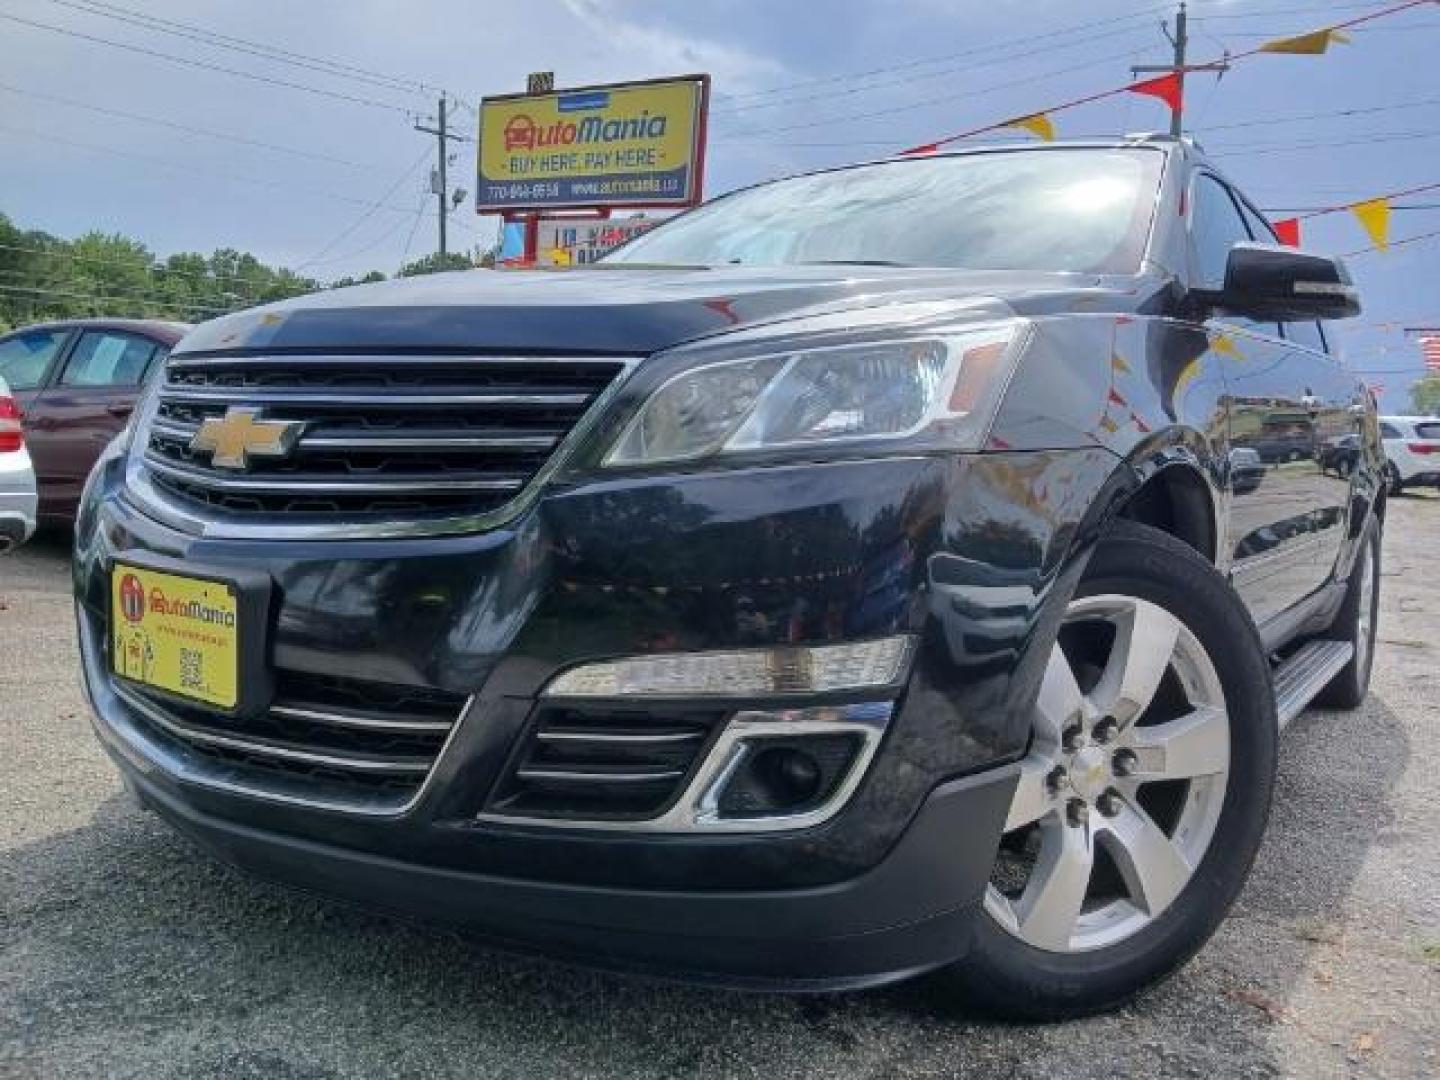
[(1123, 785)]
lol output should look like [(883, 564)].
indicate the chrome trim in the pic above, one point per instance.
[(698, 807), (265, 747), (637, 738), (396, 399), (169, 429), (600, 777), (149, 755), (326, 485), (381, 360), (154, 503), (365, 723)]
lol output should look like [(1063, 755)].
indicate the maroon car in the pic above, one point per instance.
[(76, 383)]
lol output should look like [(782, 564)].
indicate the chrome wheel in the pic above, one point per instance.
[(1124, 782), (1365, 615)]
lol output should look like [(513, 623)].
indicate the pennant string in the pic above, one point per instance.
[(1148, 86)]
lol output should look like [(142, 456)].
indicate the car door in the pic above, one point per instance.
[(1337, 405), (1270, 534), (85, 406), (27, 363)]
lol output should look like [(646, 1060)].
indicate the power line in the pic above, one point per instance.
[(1334, 115), (394, 228), (1285, 148), (186, 167), (369, 211), (206, 66), (192, 32), (726, 110), (174, 126), (110, 299), (149, 267)]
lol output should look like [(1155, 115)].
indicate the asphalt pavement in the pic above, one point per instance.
[(125, 952)]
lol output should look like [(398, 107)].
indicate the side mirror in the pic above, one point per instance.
[(1271, 283)]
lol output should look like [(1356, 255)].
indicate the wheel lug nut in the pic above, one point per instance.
[(1124, 763), (1106, 729), (1076, 812), (1110, 803), (1074, 738), (1056, 777)]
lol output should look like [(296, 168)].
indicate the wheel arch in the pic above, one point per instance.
[(1177, 489)]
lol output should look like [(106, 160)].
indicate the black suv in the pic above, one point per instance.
[(845, 580)]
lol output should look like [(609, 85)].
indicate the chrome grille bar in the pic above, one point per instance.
[(273, 482)]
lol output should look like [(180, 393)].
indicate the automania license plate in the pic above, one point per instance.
[(175, 633)]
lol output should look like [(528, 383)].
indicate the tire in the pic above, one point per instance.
[(1392, 479), (1343, 468), (1025, 965), (1356, 623)]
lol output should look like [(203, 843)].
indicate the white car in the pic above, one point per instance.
[(1412, 451), (17, 478)]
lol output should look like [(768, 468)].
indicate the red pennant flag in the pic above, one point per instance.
[(1166, 88), (928, 148), (1116, 399), (1288, 231)]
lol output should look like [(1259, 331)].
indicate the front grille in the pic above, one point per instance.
[(604, 765), (383, 436), (339, 742)]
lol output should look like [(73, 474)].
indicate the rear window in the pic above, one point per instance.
[(1428, 431)]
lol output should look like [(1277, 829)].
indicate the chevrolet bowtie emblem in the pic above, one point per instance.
[(233, 439)]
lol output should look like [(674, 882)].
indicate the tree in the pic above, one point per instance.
[(1425, 395), (47, 277), (436, 263)]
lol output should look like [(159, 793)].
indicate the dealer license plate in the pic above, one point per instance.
[(176, 633)]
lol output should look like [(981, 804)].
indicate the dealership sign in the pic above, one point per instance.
[(572, 242), (630, 144)]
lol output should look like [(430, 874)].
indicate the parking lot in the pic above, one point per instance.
[(125, 952)]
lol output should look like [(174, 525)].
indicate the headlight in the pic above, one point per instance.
[(826, 395)]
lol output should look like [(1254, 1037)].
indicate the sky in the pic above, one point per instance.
[(304, 175)]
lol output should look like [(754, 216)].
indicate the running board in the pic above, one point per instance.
[(1305, 674)]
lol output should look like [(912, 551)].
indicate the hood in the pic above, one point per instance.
[(625, 309)]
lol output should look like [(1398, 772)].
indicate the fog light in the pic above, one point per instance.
[(743, 673), (789, 776)]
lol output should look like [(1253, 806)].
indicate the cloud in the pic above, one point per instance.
[(650, 47)]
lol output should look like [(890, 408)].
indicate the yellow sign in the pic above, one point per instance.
[(175, 633), (630, 144)]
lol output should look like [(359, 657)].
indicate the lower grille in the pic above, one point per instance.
[(604, 765), (338, 742)]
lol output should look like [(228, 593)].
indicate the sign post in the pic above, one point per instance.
[(592, 149)]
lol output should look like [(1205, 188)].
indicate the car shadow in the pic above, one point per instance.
[(122, 934)]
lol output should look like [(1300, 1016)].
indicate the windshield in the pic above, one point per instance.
[(1081, 210)]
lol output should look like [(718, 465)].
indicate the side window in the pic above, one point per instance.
[(1259, 227), (1307, 334), (1389, 431), (1216, 227), (25, 358), (108, 359)]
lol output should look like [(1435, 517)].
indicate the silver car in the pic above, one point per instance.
[(17, 478)]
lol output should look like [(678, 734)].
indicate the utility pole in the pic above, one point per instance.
[(443, 137), (1180, 41)]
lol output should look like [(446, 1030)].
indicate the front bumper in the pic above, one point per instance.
[(764, 557)]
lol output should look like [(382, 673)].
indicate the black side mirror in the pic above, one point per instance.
[(1271, 283)]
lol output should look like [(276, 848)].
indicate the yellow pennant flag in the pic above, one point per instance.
[(1225, 345), (1118, 363), (1374, 214), (1311, 44), (1039, 125)]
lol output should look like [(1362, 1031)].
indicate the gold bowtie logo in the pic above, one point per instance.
[(233, 439)]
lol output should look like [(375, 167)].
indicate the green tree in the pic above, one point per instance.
[(1425, 396), (435, 263)]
